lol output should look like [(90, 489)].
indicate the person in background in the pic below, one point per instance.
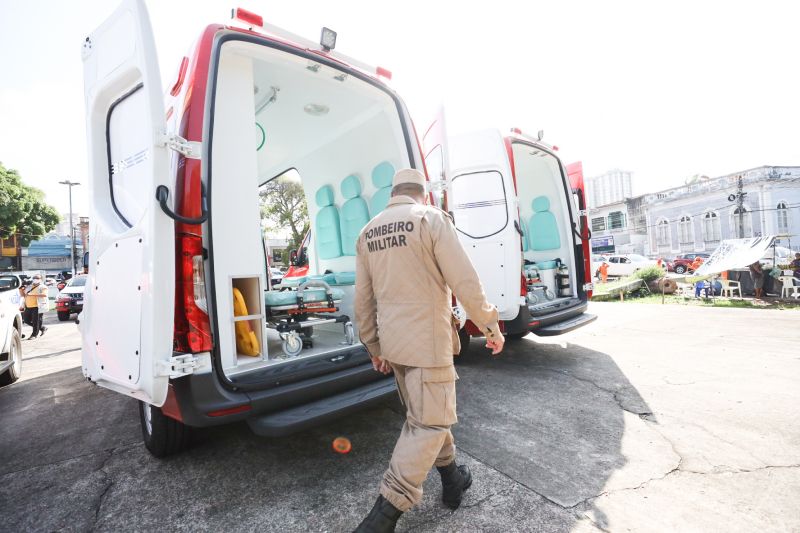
[(604, 272), (698, 261), (33, 295), (757, 273), (795, 266)]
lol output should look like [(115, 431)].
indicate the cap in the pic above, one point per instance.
[(408, 175)]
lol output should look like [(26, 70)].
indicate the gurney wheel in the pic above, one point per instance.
[(349, 333), (292, 344)]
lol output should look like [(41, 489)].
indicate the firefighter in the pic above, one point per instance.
[(604, 272), (408, 260)]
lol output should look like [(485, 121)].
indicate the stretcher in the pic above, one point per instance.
[(293, 314)]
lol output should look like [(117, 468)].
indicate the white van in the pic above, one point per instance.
[(522, 221), (179, 313)]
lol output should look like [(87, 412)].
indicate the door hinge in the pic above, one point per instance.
[(588, 286), (178, 366), (190, 149), (583, 213)]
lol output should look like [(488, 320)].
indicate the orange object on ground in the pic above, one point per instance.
[(246, 340), (342, 445), (604, 272)]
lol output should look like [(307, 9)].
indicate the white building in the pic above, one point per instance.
[(613, 186)]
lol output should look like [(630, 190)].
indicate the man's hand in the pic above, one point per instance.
[(496, 346), (381, 366)]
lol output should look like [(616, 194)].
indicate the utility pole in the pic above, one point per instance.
[(71, 184), (739, 197)]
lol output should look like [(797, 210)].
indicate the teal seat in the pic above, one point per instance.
[(525, 235), (382, 176), (327, 278), (328, 228), (284, 298), (542, 226), (355, 213), (345, 278)]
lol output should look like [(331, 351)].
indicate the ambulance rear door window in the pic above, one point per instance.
[(479, 204)]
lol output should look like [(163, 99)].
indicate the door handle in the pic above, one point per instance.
[(162, 195)]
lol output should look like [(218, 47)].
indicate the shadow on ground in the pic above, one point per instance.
[(544, 429)]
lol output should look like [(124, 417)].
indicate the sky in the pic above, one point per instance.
[(665, 90)]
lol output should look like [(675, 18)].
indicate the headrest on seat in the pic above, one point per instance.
[(324, 196), (351, 187), (382, 175), (541, 203)]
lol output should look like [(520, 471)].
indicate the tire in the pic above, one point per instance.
[(516, 336), (63, 316), (680, 269), (14, 354), (162, 435)]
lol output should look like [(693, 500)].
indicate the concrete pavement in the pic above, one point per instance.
[(651, 419)]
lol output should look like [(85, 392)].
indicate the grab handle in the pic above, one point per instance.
[(162, 195)]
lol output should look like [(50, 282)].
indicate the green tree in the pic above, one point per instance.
[(23, 209), (283, 205)]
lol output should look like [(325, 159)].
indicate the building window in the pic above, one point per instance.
[(711, 227), (616, 220), (662, 232), (742, 228), (685, 229), (783, 217), (598, 224)]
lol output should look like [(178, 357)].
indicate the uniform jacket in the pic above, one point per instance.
[(408, 259)]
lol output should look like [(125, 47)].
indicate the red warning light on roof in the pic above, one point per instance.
[(383, 73), (516, 131), (555, 148), (247, 16)]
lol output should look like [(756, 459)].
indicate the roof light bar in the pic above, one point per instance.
[(247, 16), (383, 73)]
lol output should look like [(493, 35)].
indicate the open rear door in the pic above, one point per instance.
[(127, 323), (437, 162), (575, 174)]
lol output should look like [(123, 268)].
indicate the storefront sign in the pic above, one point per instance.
[(602, 245)]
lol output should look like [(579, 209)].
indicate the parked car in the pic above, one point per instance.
[(70, 299), (10, 341), (276, 276), (625, 265), (681, 263)]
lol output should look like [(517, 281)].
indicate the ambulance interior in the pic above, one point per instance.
[(282, 116), (546, 221)]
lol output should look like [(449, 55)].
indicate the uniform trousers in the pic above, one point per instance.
[(429, 396)]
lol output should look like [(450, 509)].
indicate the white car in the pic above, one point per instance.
[(625, 265), (10, 342)]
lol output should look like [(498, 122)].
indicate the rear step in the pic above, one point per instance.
[(567, 325), (315, 413)]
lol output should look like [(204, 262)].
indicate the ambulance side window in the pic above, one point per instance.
[(479, 204)]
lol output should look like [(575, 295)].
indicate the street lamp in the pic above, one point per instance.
[(71, 184)]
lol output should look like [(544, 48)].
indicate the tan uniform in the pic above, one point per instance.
[(408, 260)]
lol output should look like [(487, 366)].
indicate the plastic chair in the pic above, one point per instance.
[(730, 287), (788, 287)]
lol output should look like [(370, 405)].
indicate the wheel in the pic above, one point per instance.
[(349, 333), (162, 435), (516, 336), (292, 344), (463, 338), (15, 356), (680, 269), (63, 316)]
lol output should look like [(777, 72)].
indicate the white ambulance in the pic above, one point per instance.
[(179, 313), (521, 216)]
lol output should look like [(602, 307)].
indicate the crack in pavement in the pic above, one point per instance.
[(60, 461), (108, 484)]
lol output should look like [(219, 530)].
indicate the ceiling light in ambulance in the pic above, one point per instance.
[(328, 39), (316, 110)]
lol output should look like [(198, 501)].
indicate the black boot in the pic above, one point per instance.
[(382, 518), (455, 481)]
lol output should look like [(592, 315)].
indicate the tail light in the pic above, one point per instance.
[(523, 290), (192, 327)]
